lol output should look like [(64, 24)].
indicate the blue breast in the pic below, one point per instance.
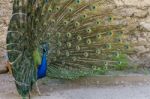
[(41, 72)]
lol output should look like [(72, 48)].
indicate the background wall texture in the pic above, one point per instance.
[(139, 10)]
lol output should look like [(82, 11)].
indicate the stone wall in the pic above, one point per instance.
[(136, 9), (5, 14), (139, 10)]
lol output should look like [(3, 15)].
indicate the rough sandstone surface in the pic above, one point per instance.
[(5, 14), (137, 9)]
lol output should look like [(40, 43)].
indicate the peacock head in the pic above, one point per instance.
[(45, 47)]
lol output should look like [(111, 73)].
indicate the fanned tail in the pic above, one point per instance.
[(84, 38)]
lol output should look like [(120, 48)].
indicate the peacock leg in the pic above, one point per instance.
[(29, 95), (9, 67), (37, 88)]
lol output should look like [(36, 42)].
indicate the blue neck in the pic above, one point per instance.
[(43, 67)]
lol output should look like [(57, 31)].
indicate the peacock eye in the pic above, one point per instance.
[(57, 8), (88, 41), (78, 1), (106, 63), (66, 22), (92, 7), (79, 38), (74, 58), (52, 21), (58, 52), (86, 54), (88, 30), (116, 54), (46, 1), (126, 46), (98, 22), (117, 40), (109, 46), (45, 24), (83, 16), (58, 34), (98, 36), (68, 44), (98, 51), (69, 35), (50, 9), (37, 20), (109, 33), (59, 44), (77, 24), (70, 9), (78, 48), (119, 62), (110, 19), (54, 58), (67, 53)]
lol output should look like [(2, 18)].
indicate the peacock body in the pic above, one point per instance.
[(83, 37)]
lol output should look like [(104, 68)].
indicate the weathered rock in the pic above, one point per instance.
[(136, 3), (5, 14), (145, 25)]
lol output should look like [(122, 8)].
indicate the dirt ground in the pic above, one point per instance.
[(101, 87), (113, 92)]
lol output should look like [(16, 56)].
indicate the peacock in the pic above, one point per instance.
[(65, 39)]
